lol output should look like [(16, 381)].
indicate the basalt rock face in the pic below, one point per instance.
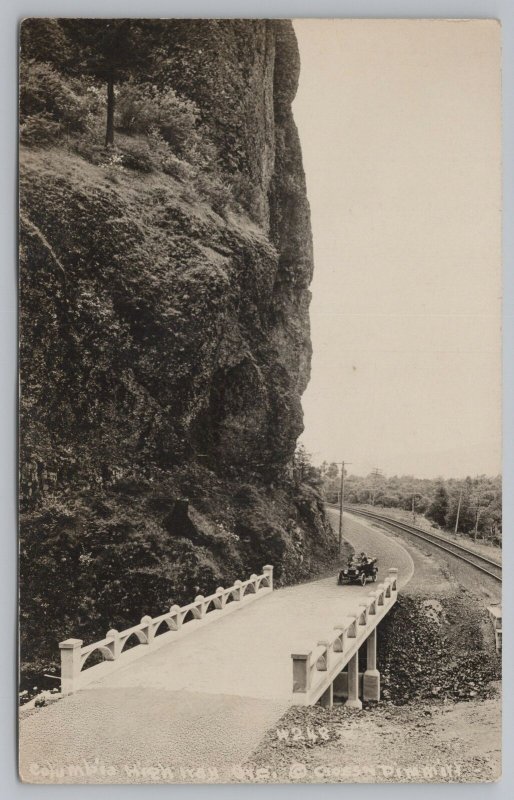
[(164, 351)]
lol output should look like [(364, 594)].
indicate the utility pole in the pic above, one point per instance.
[(458, 512), (477, 509), (413, 508), (341, 502), (376, 474)]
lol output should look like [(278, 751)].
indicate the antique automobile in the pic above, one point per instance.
[(359, 569)]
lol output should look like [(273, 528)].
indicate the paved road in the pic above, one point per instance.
[(206, 699)]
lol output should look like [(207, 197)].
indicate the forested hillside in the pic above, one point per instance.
[(165, 259)]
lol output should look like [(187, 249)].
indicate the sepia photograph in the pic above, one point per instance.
[(260, 434)]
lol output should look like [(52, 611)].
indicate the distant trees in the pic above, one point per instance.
[(472, 505)]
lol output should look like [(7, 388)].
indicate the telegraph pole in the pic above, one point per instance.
[(341, 502), (458, 513), (376, 474)]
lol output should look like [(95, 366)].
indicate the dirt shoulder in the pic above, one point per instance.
[(423, 743)]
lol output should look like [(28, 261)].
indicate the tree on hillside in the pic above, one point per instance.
[(112, 50), (303, 469), (331, 481), (438, 508), (491, 518)]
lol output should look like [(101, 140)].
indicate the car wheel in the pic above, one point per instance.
[(374, 577), (363, 580)]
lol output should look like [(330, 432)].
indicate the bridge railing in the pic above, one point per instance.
[(74, 654), (310, 666)]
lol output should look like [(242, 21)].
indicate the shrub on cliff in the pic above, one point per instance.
[(86, 566), (51, 103), (144, 107)]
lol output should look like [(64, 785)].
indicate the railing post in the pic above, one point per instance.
[(70, 665), (340, 642), (372, 598), (393, 574), (176, 612), (268, 571), (115, 645), (201, 605), (351, 630), (149, 630), (301, 671), (326, 644), (221, 598), (238, 593), (363, 616)]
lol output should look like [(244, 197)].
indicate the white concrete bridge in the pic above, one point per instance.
[(225, 669)]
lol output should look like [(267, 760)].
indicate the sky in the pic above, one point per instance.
[(399, 123)]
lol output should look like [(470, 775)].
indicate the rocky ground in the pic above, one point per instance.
[(431, 742), (439, 719)]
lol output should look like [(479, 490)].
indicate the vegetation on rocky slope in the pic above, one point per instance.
[(164, 323)]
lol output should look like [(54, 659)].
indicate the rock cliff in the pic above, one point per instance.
[(164, 351)]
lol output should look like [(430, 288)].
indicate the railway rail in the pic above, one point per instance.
[(482, 563)]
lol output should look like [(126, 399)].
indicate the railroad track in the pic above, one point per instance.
[(486, 565)]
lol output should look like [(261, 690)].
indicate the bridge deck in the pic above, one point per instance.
[(208, 698)]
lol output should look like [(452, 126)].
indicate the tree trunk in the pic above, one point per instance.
[(109, 133)]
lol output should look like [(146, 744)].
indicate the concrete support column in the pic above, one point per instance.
[(371, 678), (327, 698), (353, 683)]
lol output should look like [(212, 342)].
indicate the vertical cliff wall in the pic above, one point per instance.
[(165, 348)]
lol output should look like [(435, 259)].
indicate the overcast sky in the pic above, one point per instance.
[(400, 129)]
